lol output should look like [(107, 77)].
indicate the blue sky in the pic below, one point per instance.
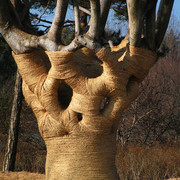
[(114, 24), (176, 8)]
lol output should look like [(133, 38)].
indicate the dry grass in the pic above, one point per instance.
[(161, 161), (29, 157), (21, 176), (134, 162)]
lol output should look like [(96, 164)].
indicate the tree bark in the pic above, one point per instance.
[(10, 155), (163, 16)]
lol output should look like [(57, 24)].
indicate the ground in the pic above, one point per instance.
[(21, 176)]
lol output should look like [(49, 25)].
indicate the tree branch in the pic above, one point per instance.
[(54, 33), (8, 14), (85, 10), (10, 25), (150, 27), (162, 20), (104, 11), (38, 19), (94, 21), (127, 35), (76, 17), (135, 21)]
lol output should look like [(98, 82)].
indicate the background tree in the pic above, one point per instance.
[(94, 87), (10, 155), (154, 116)]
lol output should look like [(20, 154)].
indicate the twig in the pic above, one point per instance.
[(76, 17), (85, 10), (43, 12)]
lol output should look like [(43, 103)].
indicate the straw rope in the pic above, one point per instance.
[(80, 138), (82, 157)]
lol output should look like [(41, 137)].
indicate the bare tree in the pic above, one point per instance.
[(11, 149), (10, 154), (154, 115), (94, 84)]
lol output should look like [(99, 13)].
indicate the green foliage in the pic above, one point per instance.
[(120, 9)]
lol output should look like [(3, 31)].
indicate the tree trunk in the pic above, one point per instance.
[(10, 154), (87, 156), (80, 137), (80, 133)]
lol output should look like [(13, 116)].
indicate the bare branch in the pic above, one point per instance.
[(10, 26), (43, 20), (54, 33), (38, 19), (110, 42), (73, 46), (89, 43), (127, 35), (81, 41), (104, 11), (22, 8), (76, 17), (138, 12), (135, 21), (85, 10), (163, 16), (94, 22), (18, 40), (8, 14), (150, 27)]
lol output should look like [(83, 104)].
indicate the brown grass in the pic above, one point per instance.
[(161, 161), (21, 176), (134, 162), (29, 157)]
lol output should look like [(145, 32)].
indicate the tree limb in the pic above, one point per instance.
[(150, 27), (104, 11), (38, 19), (76, 17), (54, 33), (162, 20), (93, 31), (7, 12), (10, 28), (10, 154), (136, 17), (127, 35), (85, 10)]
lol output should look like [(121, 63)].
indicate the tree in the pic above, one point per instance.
[(79, 91), (10, 154)]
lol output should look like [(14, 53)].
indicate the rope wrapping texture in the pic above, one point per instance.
[(80, 138)]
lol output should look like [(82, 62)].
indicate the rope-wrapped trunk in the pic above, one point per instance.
[(80, 136), (87, 156)]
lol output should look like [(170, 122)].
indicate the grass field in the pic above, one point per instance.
[(134, 162)]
